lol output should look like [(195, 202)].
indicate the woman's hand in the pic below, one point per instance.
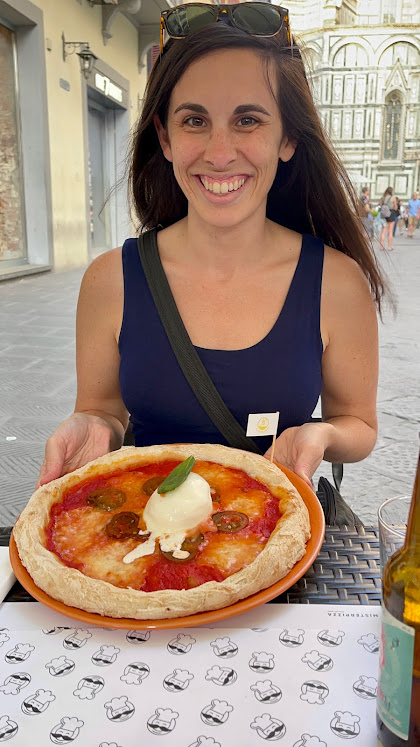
[(302, 448), (77, 440)]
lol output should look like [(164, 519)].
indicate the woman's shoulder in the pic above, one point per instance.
[(346, 298), (343, 278), (289, 240), (104, 274), (102, 292)]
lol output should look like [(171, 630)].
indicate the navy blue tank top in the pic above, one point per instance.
[(281, 372)]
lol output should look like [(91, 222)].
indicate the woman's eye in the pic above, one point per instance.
[(194, 122), (247, 121)]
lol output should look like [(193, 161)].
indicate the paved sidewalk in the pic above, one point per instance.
[(37, 383)]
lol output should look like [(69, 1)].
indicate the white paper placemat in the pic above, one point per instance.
[(300, 675), (7, 577)]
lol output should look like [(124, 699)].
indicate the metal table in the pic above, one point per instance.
[(346, 571)]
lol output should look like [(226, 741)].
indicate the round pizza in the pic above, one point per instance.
[(163, 531)]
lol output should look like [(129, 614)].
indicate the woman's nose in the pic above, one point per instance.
[(220, 149)]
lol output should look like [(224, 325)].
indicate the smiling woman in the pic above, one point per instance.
[(255, 224)]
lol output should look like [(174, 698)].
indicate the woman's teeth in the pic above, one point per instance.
[(222, 188)]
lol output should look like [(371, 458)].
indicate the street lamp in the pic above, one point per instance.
[(87, 57)]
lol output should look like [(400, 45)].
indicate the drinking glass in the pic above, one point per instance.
[(392, 520)]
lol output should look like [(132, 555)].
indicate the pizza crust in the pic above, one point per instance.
[(284, 548)]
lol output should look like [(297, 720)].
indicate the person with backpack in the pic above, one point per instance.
[(398, 215), (389, 211)]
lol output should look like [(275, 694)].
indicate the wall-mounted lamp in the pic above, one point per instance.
[(87, 57)]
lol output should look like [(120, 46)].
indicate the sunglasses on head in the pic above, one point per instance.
[(255, 18)]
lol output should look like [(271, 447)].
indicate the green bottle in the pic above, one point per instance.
[(398, 702)]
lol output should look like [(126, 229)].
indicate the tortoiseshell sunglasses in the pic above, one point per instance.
[(255, 18)]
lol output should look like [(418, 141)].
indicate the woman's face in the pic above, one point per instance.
[(224, 136)]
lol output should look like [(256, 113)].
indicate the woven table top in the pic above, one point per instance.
[(346, 571)]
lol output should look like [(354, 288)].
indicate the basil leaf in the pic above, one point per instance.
[(177, 476)]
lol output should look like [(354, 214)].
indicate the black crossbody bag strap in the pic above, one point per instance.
[(186, 355)]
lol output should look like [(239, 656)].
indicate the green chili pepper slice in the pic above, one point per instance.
[(123, 525), (151, 484), (106, 499), (230, 521), (189, 545)]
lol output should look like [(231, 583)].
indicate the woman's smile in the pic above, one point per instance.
[(229, 184), (224, 190)]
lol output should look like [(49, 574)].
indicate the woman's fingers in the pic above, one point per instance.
[(304, 475), (52, 466), (301, 449), (78, 440), (308, 459), (304, 469), (46, 476), (41, 480)]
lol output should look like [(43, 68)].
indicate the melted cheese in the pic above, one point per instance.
[(252, 503), (168, 517), (229, 553)]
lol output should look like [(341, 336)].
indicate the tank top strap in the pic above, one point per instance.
[(138, 300), (304, 296)]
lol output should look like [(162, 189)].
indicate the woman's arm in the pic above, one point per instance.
[(98, 323), (98, 423), (350, 360), (349, 374)]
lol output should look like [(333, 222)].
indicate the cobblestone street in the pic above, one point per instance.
[(37, 383)]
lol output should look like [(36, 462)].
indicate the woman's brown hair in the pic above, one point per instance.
[(311, 193)]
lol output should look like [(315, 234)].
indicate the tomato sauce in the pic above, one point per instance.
[(165, 574), (252, 484), (265, 525)]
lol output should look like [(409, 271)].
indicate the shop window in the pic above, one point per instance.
[(12, 236)]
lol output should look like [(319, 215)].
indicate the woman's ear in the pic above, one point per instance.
[(163, 138), (287, 150)]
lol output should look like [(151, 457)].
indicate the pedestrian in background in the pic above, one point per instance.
[(413, 214), (397, 217), (389, 211), (367, 211), (401, 220), (378, 221)]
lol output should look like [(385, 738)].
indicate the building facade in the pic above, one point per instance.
[(364, 58), (64, 131), (72, 80)]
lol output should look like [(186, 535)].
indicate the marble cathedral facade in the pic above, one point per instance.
[(364, 58)]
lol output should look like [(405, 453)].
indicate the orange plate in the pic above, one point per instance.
[(316, 517)]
